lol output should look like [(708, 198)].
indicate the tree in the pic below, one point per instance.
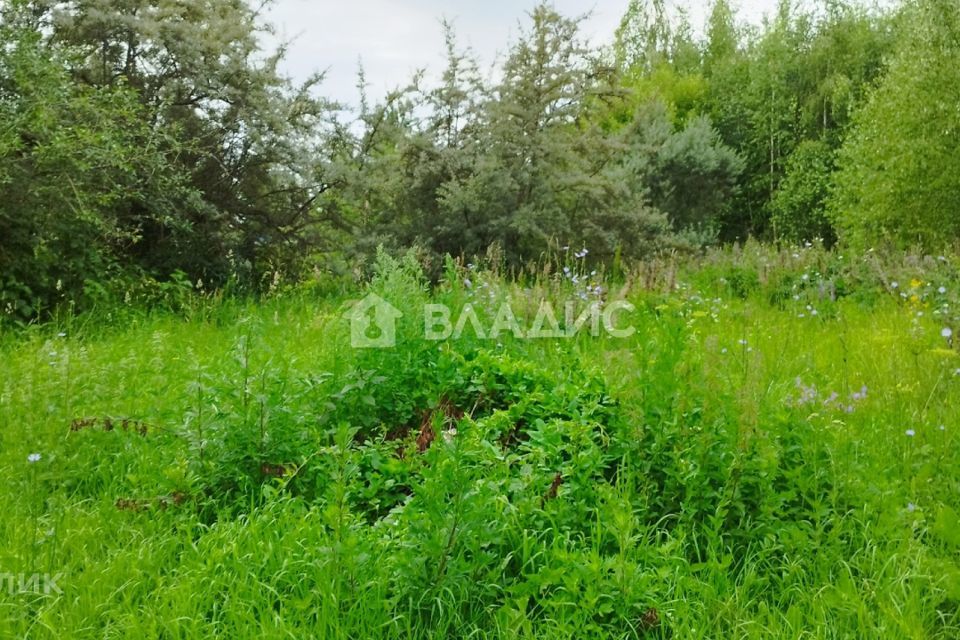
[(644, 37), (71, 162), (723, 39), (446, 152), (248, 137), (899, 176), (843, 61), (799, 206), (688, 173), (548, 174)]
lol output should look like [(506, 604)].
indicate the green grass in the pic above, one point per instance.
[(696, 480)]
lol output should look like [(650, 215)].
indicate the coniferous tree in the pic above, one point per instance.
[(547, 173)]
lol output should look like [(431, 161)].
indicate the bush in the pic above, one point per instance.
[(899, 177), (799, 207)]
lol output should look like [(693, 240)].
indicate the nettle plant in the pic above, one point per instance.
[(538, 427), (259, 423)]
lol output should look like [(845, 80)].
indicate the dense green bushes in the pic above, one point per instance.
[(799, 208), (150, 144), (71, 161), (739, 466), (143, 143), (898, 182)]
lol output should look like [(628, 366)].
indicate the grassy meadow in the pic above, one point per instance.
[(773, 454)]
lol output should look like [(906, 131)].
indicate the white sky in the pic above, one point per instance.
[(396, 37)]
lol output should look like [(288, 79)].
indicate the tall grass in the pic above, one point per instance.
[(773, 454)]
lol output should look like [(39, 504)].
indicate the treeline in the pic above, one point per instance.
[(144, 142)]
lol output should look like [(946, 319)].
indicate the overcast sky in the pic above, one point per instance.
[(396, 37)]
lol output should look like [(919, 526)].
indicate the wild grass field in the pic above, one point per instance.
[(773, 454)]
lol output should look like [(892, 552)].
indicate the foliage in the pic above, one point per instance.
[(800, 79), (244, 472), (799, 207), (898, 172), (70, 162), (691, 175), (141, 140), (218, 167), (772, 453)]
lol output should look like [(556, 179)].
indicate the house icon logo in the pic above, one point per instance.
[(373, 323)]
